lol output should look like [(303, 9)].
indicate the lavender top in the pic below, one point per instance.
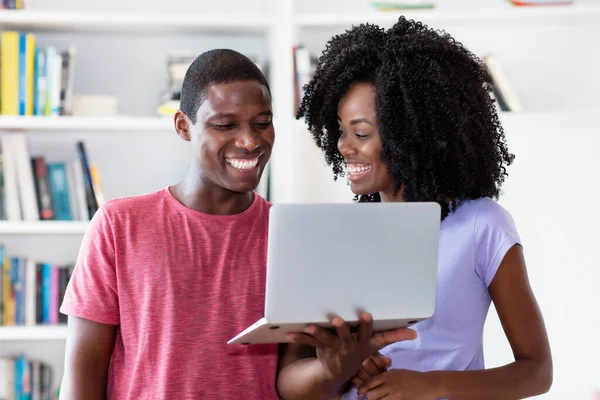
[(473, 242)]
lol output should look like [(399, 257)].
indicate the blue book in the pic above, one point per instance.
[(39, 82), (59, 187), (22, 73), (46, 292), (18, 284)]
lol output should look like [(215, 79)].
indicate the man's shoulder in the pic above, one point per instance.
[(134, 205), (262, 201)]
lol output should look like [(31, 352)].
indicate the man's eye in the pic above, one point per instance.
[(223, 126)]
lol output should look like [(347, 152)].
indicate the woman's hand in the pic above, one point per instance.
[(343, 353), (401, 384), (373, 366)]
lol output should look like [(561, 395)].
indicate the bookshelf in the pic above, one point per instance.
[(498, 13), (546, 50), (86, 123), (33, 333), (133, 22), (43, 228)]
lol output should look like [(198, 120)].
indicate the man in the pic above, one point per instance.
[(165, 279)]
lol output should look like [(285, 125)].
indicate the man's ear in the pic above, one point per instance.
[(182, 125)]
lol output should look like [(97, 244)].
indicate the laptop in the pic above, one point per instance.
[(341, 259)]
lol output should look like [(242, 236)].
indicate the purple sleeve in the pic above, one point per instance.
[(495, 234)]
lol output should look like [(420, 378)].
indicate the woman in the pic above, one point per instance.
[(408, 114)]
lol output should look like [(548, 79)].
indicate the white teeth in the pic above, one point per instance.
[(243, 164), (357, 169)]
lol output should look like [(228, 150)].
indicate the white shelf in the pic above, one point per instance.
[(132, 22), (40, 332), (43, 228), (86, 123), (573, 14), (552, 116), (573, 117)]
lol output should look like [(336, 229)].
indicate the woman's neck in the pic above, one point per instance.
[(388, 196)]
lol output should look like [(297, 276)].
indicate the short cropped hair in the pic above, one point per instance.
[(212, 68)]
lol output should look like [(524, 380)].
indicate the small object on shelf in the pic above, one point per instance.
[(177, 65), (393, 5), (95, 105), (541, 2), (12, 5)]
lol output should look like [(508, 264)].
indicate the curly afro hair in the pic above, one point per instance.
[(439, 128)]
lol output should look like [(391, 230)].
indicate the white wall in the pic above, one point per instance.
[(552, 194)]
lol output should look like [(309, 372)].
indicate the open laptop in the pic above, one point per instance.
[(326, 259)]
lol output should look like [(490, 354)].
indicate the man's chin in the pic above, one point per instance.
[(244, 187)]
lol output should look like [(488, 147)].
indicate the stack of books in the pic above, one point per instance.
[(34, 80)]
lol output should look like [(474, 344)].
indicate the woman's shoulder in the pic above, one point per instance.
[(483, 209), (491, 213), (481, 216)]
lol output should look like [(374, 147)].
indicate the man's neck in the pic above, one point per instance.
[(196, 194)]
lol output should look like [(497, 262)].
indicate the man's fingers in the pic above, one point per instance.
[(303, 338), (365, 329), (325, 338), (364, 375), (382, 339), (342, 331)]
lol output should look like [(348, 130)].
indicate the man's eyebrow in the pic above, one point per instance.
[(226, 114), (222, 115)]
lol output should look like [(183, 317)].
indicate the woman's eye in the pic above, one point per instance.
[(361, 135), (264, 124)]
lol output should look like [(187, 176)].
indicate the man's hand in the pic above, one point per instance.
[(402, 384), (373, 366), (343, 353)]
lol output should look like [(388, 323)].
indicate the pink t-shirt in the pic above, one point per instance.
[(179, 284)]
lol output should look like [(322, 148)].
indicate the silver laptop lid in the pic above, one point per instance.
[(342, 258)]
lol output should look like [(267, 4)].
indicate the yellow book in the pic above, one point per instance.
[(29, 72), (96, 185), (9, 73), (8, 301)]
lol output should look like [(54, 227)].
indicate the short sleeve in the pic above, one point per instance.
[(92, 290), (495, 234)]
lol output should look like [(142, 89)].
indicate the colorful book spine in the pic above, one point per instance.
[(60, 191), (9, 73)]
